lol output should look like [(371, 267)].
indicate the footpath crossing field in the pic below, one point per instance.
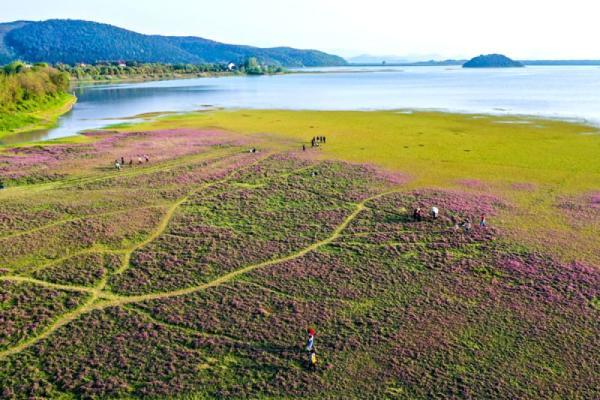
[(196, 274)]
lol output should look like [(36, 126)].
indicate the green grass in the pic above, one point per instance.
[(35, 115), (196, 275), (532, 163), (436, 148)]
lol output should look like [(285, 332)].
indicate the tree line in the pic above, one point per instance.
[(109, 70), (22, 85), (120, 69)]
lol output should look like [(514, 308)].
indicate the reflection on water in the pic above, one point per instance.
[(33, 136), (559, 92)]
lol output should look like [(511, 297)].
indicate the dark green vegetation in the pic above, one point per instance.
[(197, 274), (27, 92), (74, 41), (135, 70), (492, 61)]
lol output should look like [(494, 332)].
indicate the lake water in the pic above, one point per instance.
[(556, 92)]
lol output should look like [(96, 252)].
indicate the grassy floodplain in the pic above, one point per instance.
[(195, 275), (536, 164)]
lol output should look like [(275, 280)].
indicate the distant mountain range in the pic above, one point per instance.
[(429, 63), (391, 59), (76, 41), (367, 60)]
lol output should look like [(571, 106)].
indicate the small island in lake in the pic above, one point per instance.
[(492, 61)]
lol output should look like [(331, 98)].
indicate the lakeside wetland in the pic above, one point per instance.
[(159, 279), (195, 274)]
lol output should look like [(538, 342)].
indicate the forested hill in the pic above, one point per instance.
[(75, 41), (492, 61)]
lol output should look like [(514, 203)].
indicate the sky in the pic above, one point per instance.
[(415, 29)]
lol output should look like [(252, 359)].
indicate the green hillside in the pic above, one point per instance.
[(75, 41)]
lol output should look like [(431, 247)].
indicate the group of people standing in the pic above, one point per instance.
[(318, 140), (315, 142), (466, 225), (140, 160)]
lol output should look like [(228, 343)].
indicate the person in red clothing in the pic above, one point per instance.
[(310, 349), (310, 343)]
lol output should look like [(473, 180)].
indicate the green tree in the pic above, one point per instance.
[(252, 67), (14, 67)]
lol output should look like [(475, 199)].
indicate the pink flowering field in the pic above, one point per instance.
[(195, 275)]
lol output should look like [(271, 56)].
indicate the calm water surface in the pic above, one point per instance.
[(557, 92)]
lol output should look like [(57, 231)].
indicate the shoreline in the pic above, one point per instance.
[(499, 118), (46, 117), (155, 78), (507, 120)]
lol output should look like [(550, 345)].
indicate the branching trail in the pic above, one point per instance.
[(162, 227), (234, 274), (49, 285), (98, 292), (101, 299)]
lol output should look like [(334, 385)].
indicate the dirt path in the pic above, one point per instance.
[(101, 299), (49, 285)]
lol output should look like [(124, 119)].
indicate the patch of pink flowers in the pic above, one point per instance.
[(54, 161), (581, 210)]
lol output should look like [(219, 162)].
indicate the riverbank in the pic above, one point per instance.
[(160, 77), (44, 117)]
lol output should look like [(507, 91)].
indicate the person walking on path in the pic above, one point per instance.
[(435, 212), (122, 161), (312, 360), (482, 221), (117, 165), (310, 349), (303, 147), (310, 343)]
